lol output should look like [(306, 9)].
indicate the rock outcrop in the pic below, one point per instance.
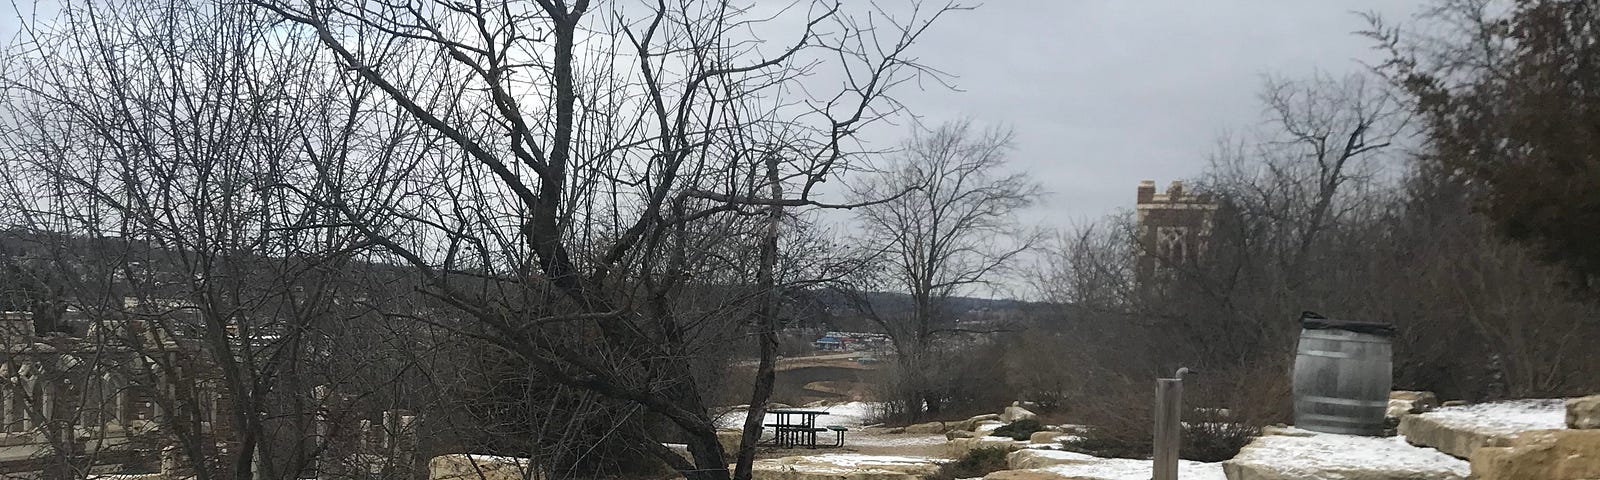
[(971, 424), (1034, 458), (954, 434), (1460, 430), (1286, 431), (1045, 436), (930, 427), (1094, 468), (1404, 402), (730, 438), (961, 446), (1031, 474), (1541, 454), (1014, 413), (476, 467), (1347, 457), (1456, 440), (1583, 413), (843, 467)]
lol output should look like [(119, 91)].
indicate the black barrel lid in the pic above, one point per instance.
[(1314, 321)]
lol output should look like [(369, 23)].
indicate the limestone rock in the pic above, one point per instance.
[(1094, 468), (1032, 458), (476, 467), (1584, 412), (1402, 403), (1284, 430), (1044, 436), (961, 446), (971, 424), (930, 427), (1460, 430), (988, 426), (1460, 442), (1014, 413), (730, 439), (1031, 474), (1346, 457), (954, 434), (1424, 399), (1397, 409), (843, 467), (1542, 454)]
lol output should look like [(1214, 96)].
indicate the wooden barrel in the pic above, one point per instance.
[(1342, 375)]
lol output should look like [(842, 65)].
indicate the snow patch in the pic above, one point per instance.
[(851, 415), (901, 440), (856, 460), (1129, 469), (1324, 454), (1503, 418)]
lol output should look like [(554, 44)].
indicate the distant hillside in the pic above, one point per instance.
[(830, 307)]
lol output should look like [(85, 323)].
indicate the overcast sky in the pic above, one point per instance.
[(1104, 93)]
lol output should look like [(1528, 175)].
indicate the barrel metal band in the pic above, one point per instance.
[(1327, 353), (1352, 337), (1345, 401), (1315, 417), (1367, 430)]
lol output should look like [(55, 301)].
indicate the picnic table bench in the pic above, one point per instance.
[(794, 427)]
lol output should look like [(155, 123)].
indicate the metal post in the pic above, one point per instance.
[(1168, 426)]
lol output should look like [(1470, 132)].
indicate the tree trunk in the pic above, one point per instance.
[(766, 325)]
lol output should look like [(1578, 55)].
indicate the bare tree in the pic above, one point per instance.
[(596, 157), (1323, 137), (951, 235), (145, 145)]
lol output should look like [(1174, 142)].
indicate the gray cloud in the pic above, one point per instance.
[(1105, 93)]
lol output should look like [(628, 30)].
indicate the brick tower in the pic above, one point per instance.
[(1173, 228)]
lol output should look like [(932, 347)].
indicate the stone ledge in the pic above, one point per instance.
[(1096, 468), (1282, 457), (1460, 430), (961, 446), (1034, 458), (1541, 454), (476, 467), (844, 467)]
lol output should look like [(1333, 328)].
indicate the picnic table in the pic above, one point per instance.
[(794, 428)]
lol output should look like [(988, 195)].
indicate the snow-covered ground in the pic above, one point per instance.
[(905, 440), (1504, 418), (1319, 455), (852, 460), (1129, 469)]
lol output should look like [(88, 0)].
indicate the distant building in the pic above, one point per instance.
[(1172, 230), (843, 341), (829, 344)]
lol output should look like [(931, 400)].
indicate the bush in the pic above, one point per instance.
[(1201, 442), (1213, 441), (1019, 430), (1102, 443), (976, 463)]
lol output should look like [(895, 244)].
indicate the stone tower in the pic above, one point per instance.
[(1172, 230)]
